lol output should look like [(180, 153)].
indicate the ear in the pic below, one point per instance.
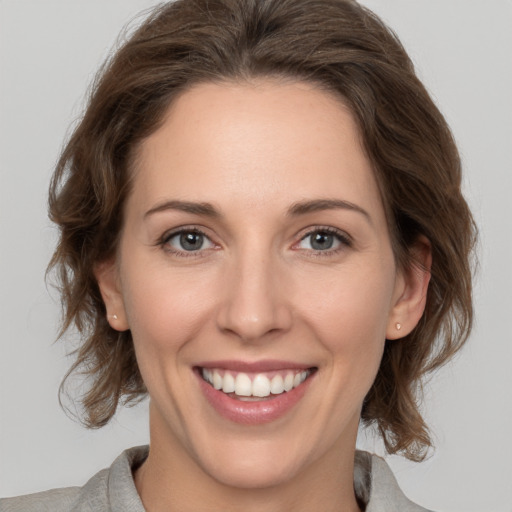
[(410, 294), (107, 276)]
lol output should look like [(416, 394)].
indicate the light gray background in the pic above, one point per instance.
[(49, 51)]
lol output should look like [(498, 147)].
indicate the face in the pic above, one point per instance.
[(256, 275)]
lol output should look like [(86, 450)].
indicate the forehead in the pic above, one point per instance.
[(259, 142)]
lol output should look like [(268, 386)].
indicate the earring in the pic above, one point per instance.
[(114, 317), (398, 326)]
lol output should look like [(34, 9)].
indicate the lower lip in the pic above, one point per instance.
[(253, 413)]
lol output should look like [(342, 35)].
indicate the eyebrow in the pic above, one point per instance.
[(205, 209), (299, 208), (317, 205)]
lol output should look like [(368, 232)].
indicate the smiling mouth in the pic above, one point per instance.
[(255, 386)]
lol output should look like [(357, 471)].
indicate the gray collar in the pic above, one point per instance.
[(374, 483)]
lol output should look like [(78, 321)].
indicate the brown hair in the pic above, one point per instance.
[(336, 44)]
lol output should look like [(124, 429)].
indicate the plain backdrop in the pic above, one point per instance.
[(49, 51)]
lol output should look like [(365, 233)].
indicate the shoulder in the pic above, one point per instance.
[(110, 489), (92, 496), (114, 489), (380, 488), (56, 500)]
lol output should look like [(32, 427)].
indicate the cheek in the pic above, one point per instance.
[(349, 314), (165, 308), (350, 304)]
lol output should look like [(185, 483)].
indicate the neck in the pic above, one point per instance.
[(166, 490), (172, 480)]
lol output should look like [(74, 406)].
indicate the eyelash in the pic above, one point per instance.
[(167, 237), (344, 240)]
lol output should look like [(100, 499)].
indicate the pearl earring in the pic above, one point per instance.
[(114, 317), (398, 326)]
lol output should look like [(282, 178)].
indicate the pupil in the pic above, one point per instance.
[(322, 241), (191, 241)]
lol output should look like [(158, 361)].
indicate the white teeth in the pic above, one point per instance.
[(216, 380), (288, 382), (228, 385), (207, 376), (258, 386), (277, 385), (300, 377), (243, 385)]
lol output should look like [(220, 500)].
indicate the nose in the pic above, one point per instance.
[(254, 301)]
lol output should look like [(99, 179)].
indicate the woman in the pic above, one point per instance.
[(261, 227)]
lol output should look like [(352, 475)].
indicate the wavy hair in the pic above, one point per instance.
[(335, 44)]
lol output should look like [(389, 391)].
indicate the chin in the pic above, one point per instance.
[(249, 462), (254, 473)]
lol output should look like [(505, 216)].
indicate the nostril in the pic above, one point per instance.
[(252, 321)]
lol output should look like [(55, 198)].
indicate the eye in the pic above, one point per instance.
[(187, 241), (323, 240)]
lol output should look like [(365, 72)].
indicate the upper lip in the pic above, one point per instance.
[(265, 365)]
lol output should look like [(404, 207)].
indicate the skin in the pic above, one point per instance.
[(257, 289)]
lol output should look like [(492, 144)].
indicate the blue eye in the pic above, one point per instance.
[(323, 240), (188, 241)]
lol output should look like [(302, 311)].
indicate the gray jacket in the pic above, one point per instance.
[(113, 489)]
